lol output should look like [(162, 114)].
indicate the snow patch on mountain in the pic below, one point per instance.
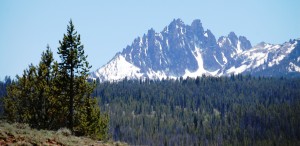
[(293, 67), (118, 68), (238, 70), (260, 56), (157, 75), (224, 58), (238, 48), (200, 69), (188, 51)]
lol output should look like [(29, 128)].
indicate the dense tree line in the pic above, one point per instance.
[(236, 110), (55, 94), (3, 84)]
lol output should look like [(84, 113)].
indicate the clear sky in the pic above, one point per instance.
[(106, 27)]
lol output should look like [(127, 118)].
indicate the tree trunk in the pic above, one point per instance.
[(71, 102)]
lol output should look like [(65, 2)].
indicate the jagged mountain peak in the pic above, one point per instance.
[(208, 33), (197, 28), (196, 23), (245, 43), (189, 50), (177, 22), (233, 44), (151, 31), (232, 36)]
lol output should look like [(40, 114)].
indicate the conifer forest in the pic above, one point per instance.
[(235, 110), (227, 110)]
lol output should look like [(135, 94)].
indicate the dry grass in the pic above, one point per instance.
[(22, 134)]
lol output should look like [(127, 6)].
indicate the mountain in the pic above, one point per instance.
[(190, 50)]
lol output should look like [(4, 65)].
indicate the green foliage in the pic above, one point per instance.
[(3, 84), (74, 69), (93, 123), (236, 110), (53, 95)]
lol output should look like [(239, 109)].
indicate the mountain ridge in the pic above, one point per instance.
[(190, 50)]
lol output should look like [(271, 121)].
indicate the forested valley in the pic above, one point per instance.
[(235, 110)]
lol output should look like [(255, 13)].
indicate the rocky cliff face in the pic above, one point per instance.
[(189, 50)]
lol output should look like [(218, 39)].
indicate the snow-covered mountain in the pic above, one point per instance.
[(189, 50)]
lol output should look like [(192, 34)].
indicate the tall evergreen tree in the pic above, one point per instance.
[(54, 95), (44, 80), (73, 65)]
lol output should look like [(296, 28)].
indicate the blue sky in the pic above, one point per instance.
[(106, 27)]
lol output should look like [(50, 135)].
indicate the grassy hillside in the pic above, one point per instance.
[(22, 134)]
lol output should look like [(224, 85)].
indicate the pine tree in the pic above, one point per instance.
[(44, 79), (28, 98), (54, 95), (73, 65)]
